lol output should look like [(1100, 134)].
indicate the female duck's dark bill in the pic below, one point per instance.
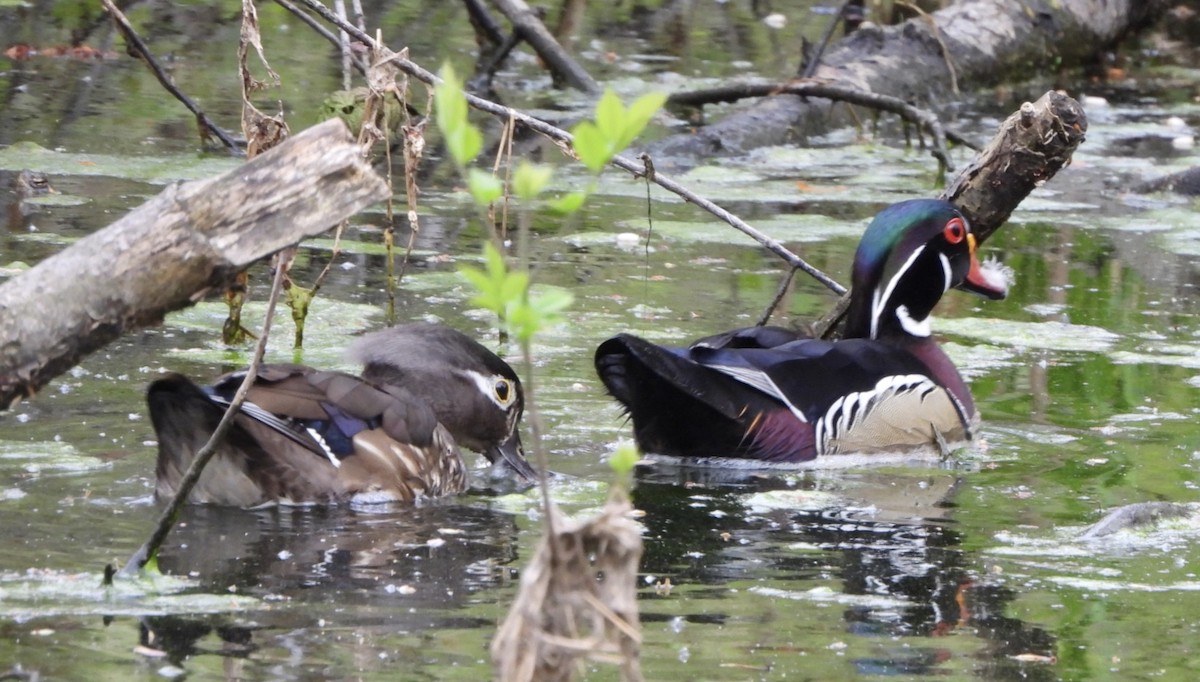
[(513, 455), (989, 280)]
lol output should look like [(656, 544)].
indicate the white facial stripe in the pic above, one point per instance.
[(921, 328), (487, 386), (945, 271), (876, 302), (881, 300)]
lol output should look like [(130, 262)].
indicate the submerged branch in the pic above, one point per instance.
[(135, 44), (526, 23)]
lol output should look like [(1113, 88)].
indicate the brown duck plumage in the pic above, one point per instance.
[(309, 436)]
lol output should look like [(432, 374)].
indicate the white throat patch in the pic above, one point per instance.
[(921, 328)]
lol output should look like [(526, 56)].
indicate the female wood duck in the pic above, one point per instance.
[(768, 394), (308, 436)]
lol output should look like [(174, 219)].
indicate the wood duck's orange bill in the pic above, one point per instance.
[(987, 280)]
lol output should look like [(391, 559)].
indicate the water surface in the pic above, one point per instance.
[(1087, 377)]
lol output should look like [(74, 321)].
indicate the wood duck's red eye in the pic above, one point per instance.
[(955, 230)]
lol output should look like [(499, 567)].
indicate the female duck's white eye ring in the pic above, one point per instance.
[(500, 390), (503, 390), (955, 231)]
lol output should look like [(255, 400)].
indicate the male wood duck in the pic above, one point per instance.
[(308, 436), (768, 394)]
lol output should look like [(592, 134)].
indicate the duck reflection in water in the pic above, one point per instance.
[(888, 539), (444, 550), (414, 567)]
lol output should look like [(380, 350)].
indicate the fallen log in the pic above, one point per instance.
[(167, 253), (923, 61), (1185, 182), (1030, 147)]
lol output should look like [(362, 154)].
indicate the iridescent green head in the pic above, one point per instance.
[(911, 254)]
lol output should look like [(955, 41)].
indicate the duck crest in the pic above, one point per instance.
[(904, 263), (773, 395)]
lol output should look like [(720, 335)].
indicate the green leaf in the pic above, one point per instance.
[(529, 179), (640, 113), (463, 140), (489, 292), (449, 102), (523, 322), (610, 115), (551, 301), (568, 203), (624, 459), (478, 278), (591, 146), (496, 266), (514, 287), (464, 143), (484, 187)]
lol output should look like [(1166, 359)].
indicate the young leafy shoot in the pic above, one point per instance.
[(495, 284), (506, 293), (614, 128), (624, 458), (463, 140), (568, 203), (529, 179), (484, 187)]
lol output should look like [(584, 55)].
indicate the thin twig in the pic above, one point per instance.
[(622, 162), (135, 42), (650, 172), (611, 616), (937, 36), (483, 22), (170, 515), (895, 105), (411, 176), (339, 6), (334, 252), (784, 284), (504, 150), (814, 60), (534, 416), (360, 17), (321, 31), (770, 243)]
